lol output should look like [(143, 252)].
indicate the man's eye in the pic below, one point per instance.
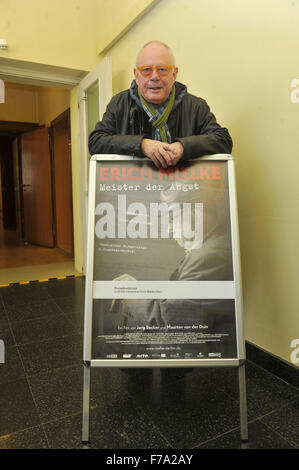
[(162, 70), (146, 69)]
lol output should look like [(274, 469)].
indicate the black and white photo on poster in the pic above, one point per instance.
[(159, 236)]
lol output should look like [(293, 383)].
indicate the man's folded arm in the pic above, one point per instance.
[(106, 139), (209, 137)]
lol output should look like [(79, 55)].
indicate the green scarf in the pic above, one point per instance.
[(161, 117)]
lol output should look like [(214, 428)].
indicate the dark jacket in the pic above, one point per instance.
[(125, 124)]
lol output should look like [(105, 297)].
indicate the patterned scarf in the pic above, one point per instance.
[(158, 116)]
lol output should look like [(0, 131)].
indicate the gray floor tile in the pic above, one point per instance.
[(57, 393), (72, 287), (44, 308), (12, 369), (260, 437), (51, 354), (120, 427), (6, 333), (17, 408), (24, 294), (285, 422), (32, 438), (187, 414), (71, 304), (2, 310), (66, 433), (42, 329)]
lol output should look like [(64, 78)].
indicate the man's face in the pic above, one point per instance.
[(155, 89)]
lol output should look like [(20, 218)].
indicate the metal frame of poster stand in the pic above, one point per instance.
[(89, 362)]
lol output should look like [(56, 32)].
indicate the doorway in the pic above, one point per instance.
[(31, 246), (79, 84)]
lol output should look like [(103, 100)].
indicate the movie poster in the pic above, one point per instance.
[(163, 271)]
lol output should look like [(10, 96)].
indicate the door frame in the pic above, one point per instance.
[(65, 116), (102, 74)]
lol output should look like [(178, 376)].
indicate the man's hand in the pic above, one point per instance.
[(161, 153), (176, 151), (154, 149)]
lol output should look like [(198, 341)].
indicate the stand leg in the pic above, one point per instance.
[(86, 396), (243, 403)]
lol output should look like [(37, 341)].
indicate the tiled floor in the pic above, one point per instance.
[(42, 379)]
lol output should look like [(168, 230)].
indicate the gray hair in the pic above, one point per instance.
[(156, 42)]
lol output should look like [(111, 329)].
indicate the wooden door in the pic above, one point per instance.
[(7, 183), (37, 188), (62, 167), (17, 187)]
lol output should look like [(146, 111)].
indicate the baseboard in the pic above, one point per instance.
[(277, 366)]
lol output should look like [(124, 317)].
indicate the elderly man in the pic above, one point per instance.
[(157, 118)]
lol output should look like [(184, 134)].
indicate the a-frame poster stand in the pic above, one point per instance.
[(163, 279)]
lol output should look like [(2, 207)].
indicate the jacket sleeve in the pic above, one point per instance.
[(110, 135), (207, 136)]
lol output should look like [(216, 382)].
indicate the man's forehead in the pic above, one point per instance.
[(155, 52)]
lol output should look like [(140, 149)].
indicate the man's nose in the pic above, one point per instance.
[(155, 75)]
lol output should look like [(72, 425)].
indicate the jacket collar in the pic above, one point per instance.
[(180, 91)]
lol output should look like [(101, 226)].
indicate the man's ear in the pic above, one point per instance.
[(136, 75), (175, 73)]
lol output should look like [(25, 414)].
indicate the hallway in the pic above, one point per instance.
[(41, 386), (33, 120), (21, 262)]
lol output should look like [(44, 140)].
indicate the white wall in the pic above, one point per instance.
[(241, 56)]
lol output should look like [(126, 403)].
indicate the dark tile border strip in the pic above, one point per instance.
[(277, 366), (22, 283)]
